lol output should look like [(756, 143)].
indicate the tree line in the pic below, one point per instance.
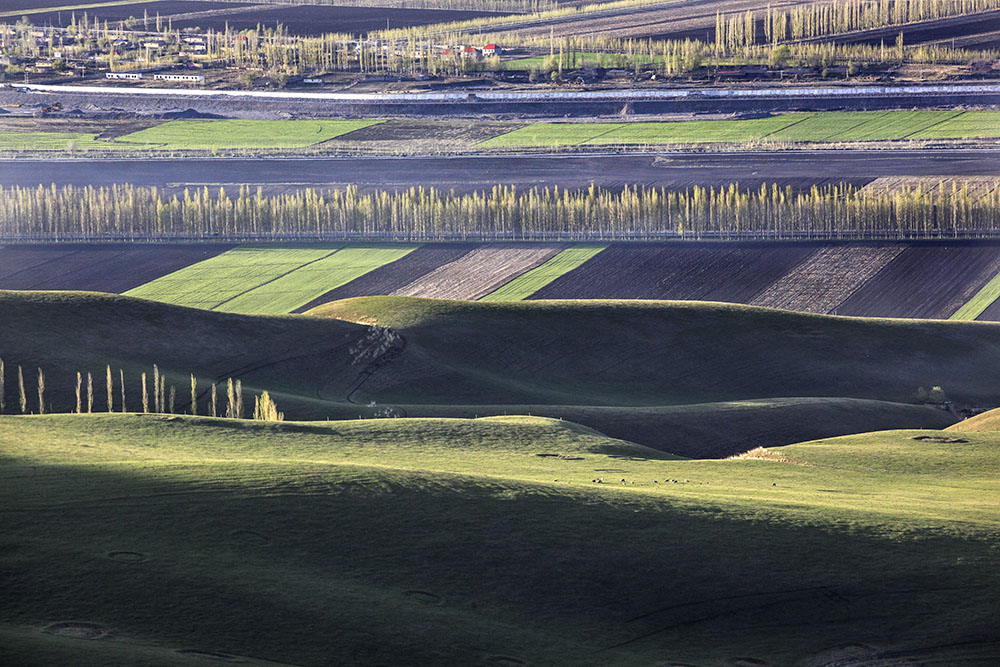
[(127, 212), (155, 395)]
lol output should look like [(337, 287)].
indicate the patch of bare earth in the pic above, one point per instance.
[(828, 277), (419, 136), (479, 272)]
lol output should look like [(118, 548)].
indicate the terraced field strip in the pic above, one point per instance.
[(289, 292), (981, 186), (528, 283), (388, 278), (822, 126), (70, 7), (702, 272), (239, 133), (824, 280), (218, 280), (96, 268), (479, 272), (968, 124), (56, 141), (926, 282), (979, 304)]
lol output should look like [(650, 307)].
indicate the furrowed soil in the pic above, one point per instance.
[(397, 275), (930, 282), (116, 268), (704, 272), (479, 272), (824, 280)]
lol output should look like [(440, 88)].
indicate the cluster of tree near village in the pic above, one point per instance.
[(504, 212)]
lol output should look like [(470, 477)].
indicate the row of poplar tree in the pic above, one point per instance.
[(126, 212), (163, 398)]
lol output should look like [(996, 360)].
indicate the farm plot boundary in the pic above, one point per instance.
[(479, 272), (825, 279), (531, 281)]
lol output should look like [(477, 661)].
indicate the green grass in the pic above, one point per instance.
[(964, 125), (442, 542), (528, 283), (823, 127), (295, 289), (671, 375), (223, 134), (982, 300), (215, 282), (56, 141), (268, 280)]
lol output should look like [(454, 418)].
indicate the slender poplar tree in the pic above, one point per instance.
[(23, 395), (41, 392)]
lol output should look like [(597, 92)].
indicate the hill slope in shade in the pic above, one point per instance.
[(663, 353), (573, 360), (501, 551)]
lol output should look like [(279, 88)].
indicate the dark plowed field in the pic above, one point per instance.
[(391, 277), (316, 19), (114, 13), (113, 268), (703, 272), (957, 28), (926, 281), (991, 314)]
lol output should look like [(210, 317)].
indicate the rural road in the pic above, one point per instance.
[(467, 173)]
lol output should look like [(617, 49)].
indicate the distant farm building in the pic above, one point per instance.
[(492, 50), (123, 75)]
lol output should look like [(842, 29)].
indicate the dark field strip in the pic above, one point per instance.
[(991, 314), (314, 20), (164, 8), (926, 282), (929, 31), (391, 277), (113, 268), (702, 272)]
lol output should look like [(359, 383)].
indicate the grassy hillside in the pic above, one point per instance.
[(664, 353), (696, 379), (443, 542), (987, 421)]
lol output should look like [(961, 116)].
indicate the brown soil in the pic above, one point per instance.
[(479, 272)]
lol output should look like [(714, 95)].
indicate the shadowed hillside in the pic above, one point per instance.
[(697, 379)]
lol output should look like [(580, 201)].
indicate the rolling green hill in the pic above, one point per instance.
[(487, 542), (694, 379)]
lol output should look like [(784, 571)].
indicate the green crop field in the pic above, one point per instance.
[(221, 134), (966, 124), (982, 300), (55, 141), (528, 283), (268, 280), (286, 293), (823, 126), (442, 542)]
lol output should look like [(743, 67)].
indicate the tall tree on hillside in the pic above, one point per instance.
[(110, 385), (121, 378), (90, 393), (215, 402), (23, 395), (156, 388), (41, 392), (3, 390), (79, 385), (231, 400), (194, 395), (145, 394)]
